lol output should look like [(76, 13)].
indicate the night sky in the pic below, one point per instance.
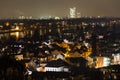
[(38, 8)]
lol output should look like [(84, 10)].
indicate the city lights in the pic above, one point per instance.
[(59, 40)]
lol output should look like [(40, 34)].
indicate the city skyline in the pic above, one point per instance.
[(60, 8)]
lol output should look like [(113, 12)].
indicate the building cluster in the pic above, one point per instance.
[(74, 13), (38, 42)]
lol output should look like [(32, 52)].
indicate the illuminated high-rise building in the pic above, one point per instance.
[(73, 12), (78, 15)]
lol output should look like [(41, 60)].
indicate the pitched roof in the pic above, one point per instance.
[(57, 63)]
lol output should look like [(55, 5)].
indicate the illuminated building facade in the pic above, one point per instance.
[(102, 62), (73, 12), (116, 59)]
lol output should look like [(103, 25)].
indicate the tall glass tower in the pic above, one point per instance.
[(73, 12)]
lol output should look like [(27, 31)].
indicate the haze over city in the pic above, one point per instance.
[(60, 8), (59, 40)]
